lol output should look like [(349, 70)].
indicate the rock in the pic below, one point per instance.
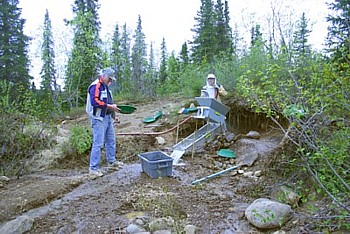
[(161, 224), (248, 159), (19, 225), (266, 214), (160, 140), (190, 229), (133, 228), (230, 137), (257, 173), (253, 135), (286, 195), (4, 178), (279, 232), (248, 174), (162, 232)]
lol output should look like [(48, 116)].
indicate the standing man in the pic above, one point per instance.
[(100, 108)]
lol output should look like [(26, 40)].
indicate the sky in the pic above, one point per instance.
[(171, 19)]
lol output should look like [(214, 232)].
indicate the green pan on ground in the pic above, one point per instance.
[(126, 109), (153, 118), (192, 109), (227, 153)]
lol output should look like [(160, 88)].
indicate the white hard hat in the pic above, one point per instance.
[(211, 76)]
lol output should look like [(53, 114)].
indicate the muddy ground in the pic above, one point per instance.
[(62, 198)]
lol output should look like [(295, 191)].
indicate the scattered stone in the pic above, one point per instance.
[(229, 137), (266, 214), (19, 225), (133, 228), (190, 229), (253, 135), (162, 232), (240, 171), (234, 173), (248, 174), (218, 164), (160, 140), (257, 173), (279, 232), (4, 178)]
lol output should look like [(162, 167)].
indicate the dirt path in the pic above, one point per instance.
[(66, 200)]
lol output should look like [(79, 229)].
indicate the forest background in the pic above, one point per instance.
[(278, 73)]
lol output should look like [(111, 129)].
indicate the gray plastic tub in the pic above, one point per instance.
[(156, 164)]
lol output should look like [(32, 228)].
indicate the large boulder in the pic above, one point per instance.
[(265, 214)]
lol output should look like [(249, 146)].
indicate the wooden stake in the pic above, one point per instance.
[(194, 140), (177, 132)]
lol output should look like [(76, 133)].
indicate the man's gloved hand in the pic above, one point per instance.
[(222, 91)]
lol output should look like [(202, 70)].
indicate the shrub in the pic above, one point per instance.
[(81, 139)]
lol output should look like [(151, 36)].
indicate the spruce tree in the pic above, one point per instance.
[(213, 35), (205, 41), (256, 35), (174, 71), (14, 62), (151, 74), (163, 62), (124, 70), (49, 87), (301, 47), (338, 39), (139, 60), (223, 30), (85, 59), (116, 57), (184, 57)]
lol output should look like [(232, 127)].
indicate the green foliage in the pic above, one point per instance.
[(213, 35), (21, 138), (313, 96), (139, 81), (338, 31), (334, 152), (81, 139), (266, 216), (5, 100), (86, 54), (14, 61)]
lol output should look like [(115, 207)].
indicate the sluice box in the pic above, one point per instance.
[(213, 104)]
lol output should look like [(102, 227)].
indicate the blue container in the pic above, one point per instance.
[(156, 164)]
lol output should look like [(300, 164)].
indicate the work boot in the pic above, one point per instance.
[(93, 174), (115, 165)]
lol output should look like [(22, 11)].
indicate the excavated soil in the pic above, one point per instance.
[(66, 200)]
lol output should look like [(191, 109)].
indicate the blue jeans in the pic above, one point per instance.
[(103, 134)]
